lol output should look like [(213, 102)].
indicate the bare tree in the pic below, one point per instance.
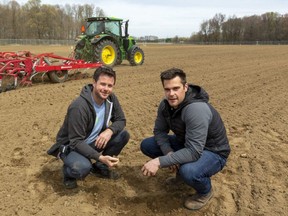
[(5, 27), (204, 31), (215, 27), (232, 29), (99, 12), (13, 19)]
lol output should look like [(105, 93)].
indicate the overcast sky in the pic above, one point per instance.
[(168, 18)]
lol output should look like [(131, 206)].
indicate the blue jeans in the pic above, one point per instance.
[(195, 174), (78, 166)]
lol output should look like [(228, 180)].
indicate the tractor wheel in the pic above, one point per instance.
[(136, 57), (106, 53), (58, 76), (119, 59), (55, 76)]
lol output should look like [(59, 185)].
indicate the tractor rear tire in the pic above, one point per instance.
[(136, 56), (58, 76), (106, 53), (119, 58)]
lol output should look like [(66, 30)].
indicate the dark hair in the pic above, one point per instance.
[(106, 71), (172, 73)]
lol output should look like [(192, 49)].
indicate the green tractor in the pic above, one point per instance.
[(106, 40)]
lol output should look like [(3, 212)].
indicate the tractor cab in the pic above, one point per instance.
[(103, 25)]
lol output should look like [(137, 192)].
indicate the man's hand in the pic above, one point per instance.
[(151, 167), (108, 160), (103, 138)]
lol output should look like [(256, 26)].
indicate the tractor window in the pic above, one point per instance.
[(113, 27), (94, 28)]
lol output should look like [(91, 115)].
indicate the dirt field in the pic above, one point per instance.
[(248, 86)]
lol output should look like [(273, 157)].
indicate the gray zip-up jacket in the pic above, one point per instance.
[(196, 124), (79, 122)]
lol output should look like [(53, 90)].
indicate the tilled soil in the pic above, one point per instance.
[(248, 86)]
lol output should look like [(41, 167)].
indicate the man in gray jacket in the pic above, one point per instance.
[(199, 146), (93, 130)]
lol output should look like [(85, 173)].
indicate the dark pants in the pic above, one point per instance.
[(78, 166), (197, 173)]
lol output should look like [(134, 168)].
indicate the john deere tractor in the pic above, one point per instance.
[(106, 40)]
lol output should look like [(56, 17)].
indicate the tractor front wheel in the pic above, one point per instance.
[(106, 53), (136, 56)]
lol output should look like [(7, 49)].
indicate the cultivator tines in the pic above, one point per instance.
[(23, 66), (13, 55)]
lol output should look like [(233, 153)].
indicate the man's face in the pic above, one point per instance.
[(102, 88), (174, 91)]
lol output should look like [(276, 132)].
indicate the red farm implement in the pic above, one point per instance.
[(23, 66)]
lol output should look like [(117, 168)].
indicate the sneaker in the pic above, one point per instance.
[(102, 170), (197, 201), (69, 183)]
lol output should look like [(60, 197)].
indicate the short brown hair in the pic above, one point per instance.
[(172, 73), (104, 70)]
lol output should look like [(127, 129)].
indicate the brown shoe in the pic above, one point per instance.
[(197, 201)]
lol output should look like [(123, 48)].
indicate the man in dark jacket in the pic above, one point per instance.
[(93, 129), (199, 146)]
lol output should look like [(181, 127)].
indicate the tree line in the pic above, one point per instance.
[(270, 26), (34, 20)]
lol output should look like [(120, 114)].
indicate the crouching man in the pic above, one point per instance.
[(198, 147), (92, 134)]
